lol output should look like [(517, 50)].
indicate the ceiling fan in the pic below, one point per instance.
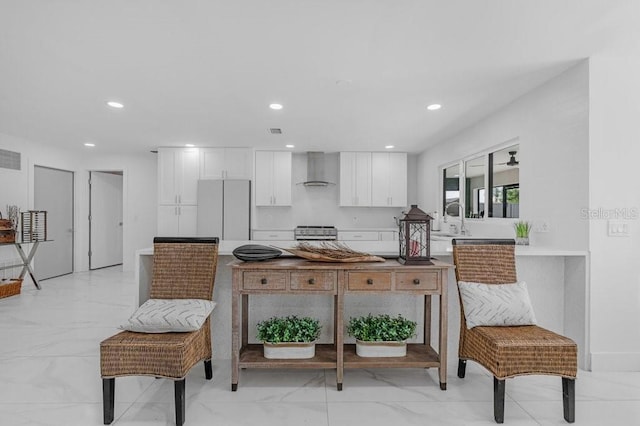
[(512, 161)]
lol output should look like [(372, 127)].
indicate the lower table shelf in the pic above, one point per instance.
[(418, 356), (251, 356)]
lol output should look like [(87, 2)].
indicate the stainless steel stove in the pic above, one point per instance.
[(317, 233)]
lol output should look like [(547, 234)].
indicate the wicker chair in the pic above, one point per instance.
[(183, 268), (509, 351)]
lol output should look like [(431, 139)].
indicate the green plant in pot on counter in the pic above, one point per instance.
[(289, 337), (523, 228), (381, 335)]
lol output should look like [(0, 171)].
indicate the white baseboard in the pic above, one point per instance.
[(615, 361)]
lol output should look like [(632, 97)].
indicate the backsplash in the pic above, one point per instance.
[(320, 205)]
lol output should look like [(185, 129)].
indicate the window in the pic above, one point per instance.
[(498, 170)]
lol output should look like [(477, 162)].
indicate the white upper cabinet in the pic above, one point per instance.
[(389, 179), (355, 179), (225, 163), (178, 172), (273, 178)]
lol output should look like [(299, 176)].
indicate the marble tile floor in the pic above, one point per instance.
[(49, 375)]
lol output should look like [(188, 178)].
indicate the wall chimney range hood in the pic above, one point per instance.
[(316, 170)]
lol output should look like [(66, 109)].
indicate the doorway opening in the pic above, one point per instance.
[(105, 219)]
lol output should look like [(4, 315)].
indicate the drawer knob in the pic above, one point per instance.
[(369, 281), (416, 281), (312, 281), (263, 281)]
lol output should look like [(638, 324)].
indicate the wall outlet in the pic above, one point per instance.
[(618, 228), (541, 226)]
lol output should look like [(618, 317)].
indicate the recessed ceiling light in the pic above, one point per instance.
[(114, 104), (189, 145), (434, 107), (90, 144), (275, 106), (290, 146), (390, 146)]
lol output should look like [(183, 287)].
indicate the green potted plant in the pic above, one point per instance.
[(381, 335), (523, 228), (289, 337)]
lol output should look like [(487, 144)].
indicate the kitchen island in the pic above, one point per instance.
[(557, 281)]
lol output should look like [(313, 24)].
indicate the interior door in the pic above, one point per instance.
[(53, 192), (105, 223)]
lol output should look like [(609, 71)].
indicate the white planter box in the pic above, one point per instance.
[(381, 349), (289, 350)]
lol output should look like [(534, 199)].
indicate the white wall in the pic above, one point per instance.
[(613, 181), (320, 205), (551, 126), (139, 192)]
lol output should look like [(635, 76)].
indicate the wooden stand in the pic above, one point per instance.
[(296, 276)]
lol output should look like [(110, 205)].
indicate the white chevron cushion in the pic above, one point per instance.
[(169, 315), (496, 304)]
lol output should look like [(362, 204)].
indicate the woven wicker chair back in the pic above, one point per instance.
[(485, 261), (184, 268)]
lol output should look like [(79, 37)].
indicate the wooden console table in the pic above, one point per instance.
[(297, 276)]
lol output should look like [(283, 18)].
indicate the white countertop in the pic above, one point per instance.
[(386, 248)]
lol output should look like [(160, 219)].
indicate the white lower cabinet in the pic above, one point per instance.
[(177, 221), (388, 235), (358, 236), (277, 235), (369, 235)]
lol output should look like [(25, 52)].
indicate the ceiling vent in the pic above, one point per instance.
[(9, 160), (275, 131)]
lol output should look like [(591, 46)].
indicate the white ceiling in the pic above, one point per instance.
[(205, 71)]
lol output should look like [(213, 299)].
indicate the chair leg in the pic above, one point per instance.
[(569, 399), (208, 372), (462, 368), (498, 399), (179, 386), (108, 399)]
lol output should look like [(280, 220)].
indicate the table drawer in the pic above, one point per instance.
[(418, 280), (264, 281), (313, 280), (369, 281)]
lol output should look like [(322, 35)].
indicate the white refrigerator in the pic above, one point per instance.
[(224, 209)]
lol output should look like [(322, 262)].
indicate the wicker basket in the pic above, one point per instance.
[(7, 233), (10, 287)]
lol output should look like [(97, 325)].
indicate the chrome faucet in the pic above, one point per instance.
[(461, 212)]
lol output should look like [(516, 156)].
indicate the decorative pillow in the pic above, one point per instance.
[(169, 315), (496, 304)]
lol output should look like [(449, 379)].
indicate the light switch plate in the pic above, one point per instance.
[(618, 228)]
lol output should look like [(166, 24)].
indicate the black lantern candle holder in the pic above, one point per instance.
[(415, 237)]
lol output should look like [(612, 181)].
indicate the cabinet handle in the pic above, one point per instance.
[(416, 281), (369, 281), (312, 281), (263, 281)]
